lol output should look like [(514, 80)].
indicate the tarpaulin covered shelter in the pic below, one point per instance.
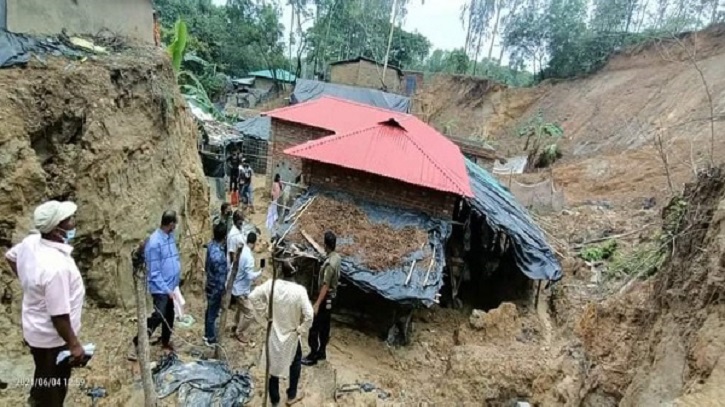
[(256, 132), (534, 257), (306, 90)]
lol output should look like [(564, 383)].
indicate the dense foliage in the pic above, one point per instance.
[(506, 40)]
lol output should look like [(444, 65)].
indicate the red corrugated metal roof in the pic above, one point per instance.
[(330, 113), (400, 147)]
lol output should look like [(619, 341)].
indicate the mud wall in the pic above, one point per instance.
[(128, 18), (114, 136)]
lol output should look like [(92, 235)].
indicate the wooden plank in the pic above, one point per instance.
[(312, 241)]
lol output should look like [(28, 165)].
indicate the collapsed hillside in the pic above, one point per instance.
[(612, 120), (111, 134)]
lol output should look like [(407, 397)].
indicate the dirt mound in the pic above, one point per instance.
[(112, 135), (377, 245), (502, 322), (661, 341)]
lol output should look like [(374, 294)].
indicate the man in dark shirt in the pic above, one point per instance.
[(234, 161), (320, 331), (216, 277)]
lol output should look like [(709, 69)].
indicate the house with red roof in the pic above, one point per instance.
[(376, 154)]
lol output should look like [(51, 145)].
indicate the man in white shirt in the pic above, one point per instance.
[(291, 319), (236, 238), (243, 286), (53, 295)]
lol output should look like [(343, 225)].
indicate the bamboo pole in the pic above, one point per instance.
[(225, 306), (269, 331), (139, 274)]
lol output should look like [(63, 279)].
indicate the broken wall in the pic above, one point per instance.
[(114, 136)]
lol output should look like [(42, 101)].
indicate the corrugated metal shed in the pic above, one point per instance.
[(334, 114), (405, 149)]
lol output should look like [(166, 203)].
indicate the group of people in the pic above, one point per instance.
[(240, 179), (54, 294), (294, 314)]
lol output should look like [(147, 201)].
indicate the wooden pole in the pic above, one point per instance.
[(139, 273), (269, 331)]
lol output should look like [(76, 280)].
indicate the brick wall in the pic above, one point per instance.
[(381, 190), (345, 74), (369, 77), (365, 74), (286, 135)]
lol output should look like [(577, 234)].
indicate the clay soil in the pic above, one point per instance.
[(377, 245)]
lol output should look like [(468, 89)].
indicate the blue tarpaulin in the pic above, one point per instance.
[(534, 257), (308, 90)]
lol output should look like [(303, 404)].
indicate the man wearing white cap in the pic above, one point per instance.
[(53, 295)]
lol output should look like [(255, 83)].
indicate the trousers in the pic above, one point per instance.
[(320, 332), (294, 379), (50, 381), (163, 315)]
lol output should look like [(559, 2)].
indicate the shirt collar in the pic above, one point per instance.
[(62, 247)]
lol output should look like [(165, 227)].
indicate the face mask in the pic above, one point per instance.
[(69, 235)]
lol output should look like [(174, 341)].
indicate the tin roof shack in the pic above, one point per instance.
[(367, 73), (478, 151), (388, 191), (265, 80), (302, 122)]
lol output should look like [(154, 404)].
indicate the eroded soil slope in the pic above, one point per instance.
[(112, 135), (612, 120)]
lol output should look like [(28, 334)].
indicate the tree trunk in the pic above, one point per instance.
[(713, 16), (495, 29), (475, 58), (291, 32), (394, 13), (139, 273)]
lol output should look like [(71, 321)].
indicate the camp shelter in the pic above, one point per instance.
[(391, 170), (306, 90), (266, 79), (255, 147), (367, 73), (388, 185)]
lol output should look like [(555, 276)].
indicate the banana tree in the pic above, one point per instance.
[(191, 87)]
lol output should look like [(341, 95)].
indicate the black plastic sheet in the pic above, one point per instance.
[(16, 49), (502, 212), (202, 383), (308, 90), (212, 164), (390, 284)]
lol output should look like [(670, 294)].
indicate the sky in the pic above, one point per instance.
[(437, 20)]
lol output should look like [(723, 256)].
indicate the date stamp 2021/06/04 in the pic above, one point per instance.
[(48, 382)]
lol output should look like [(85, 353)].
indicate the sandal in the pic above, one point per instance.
[(296, 399)]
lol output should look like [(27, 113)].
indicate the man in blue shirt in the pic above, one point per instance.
[(216, 277), (163, 267)]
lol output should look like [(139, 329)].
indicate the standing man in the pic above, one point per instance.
[(243, 286), (291, 319), (330, 275), (246, 179), (164, 274), (234, 163), (216, 277), (236, 239), (53, 294), (225, 217)]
